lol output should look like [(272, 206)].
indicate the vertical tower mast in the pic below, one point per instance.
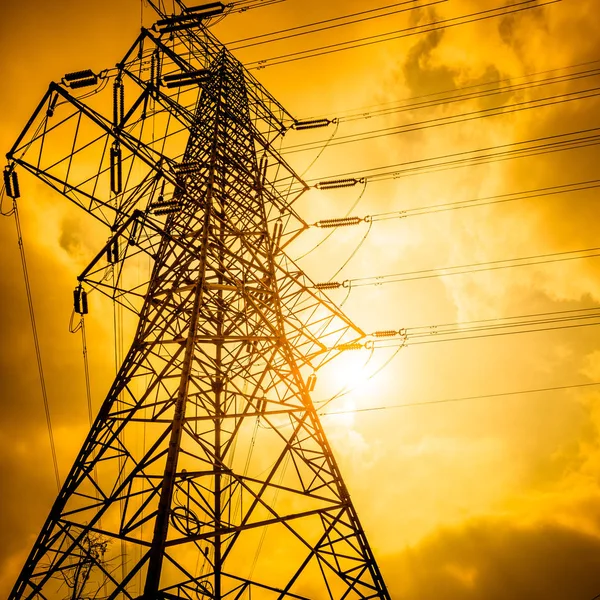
[(234, 492)]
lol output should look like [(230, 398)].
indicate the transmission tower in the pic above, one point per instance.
[(167, 497)]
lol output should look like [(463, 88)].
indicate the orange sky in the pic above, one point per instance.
[(494, 498)]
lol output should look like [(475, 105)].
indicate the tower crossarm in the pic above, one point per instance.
[(207, 449)]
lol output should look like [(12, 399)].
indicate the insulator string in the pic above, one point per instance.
[(482, 156), (543, 192), (353, 207)]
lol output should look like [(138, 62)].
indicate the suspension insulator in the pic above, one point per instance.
[(135, 233), (311, 382), (112, 252), (264, 163), (80, 79), (349, 347), (338, 183), (116, 169), (261, 405), (185, 168), (277, 233), (154, 80), (118, 102), (311, 124), (330, 285), (52, 106), (11, 183), (158, 70), (345, 222), (8, 182), (209, 9), (80, 303), (191, 17), (165, 208), (79, 75), (386, 333), (186, 78)]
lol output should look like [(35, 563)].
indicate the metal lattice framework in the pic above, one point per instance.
[(230, 330)]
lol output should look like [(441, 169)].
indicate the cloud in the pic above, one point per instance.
[(494, 559)]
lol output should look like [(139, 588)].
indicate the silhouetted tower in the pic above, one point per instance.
[(206, 473)]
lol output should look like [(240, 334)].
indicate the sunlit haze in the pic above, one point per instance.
[(470, 444)]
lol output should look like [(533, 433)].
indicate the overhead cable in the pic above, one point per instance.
[(503, 109), (554, 190), (474, 91), (470, 330), (494, 265), (461, 399), (400, 33), (572, 140), (36, 343), (300, 30)]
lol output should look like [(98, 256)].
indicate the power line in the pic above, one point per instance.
[(36, 343), (453, 119), (561, 314), (462, 269), (486, 328), (462, 399), (401, 33), (523, 149), (506, 325), (299, 29), (491, 335), (453, 95), (347, 221)]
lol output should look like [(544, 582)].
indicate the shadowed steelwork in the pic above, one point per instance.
[(206, 473)]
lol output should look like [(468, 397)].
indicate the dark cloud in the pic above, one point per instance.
[(496, 560), (420, 75), (516, 28)]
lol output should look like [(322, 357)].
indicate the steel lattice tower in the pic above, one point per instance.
[(184, 171)]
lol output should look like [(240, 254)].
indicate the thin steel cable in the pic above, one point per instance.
[(553, 143), (36, 342), (401, 33), (485, 113), (451, 96), (462, 399), (345, 391), (354, 252), (272, 504), (86, 369), (3, 196), (233, 46), (474, 267), (405, 337), (118, 338), (554, 315), (554, 190), (323, 147), (361, 111), (501, 334)]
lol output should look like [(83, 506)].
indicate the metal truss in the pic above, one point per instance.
[(168, 498)]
